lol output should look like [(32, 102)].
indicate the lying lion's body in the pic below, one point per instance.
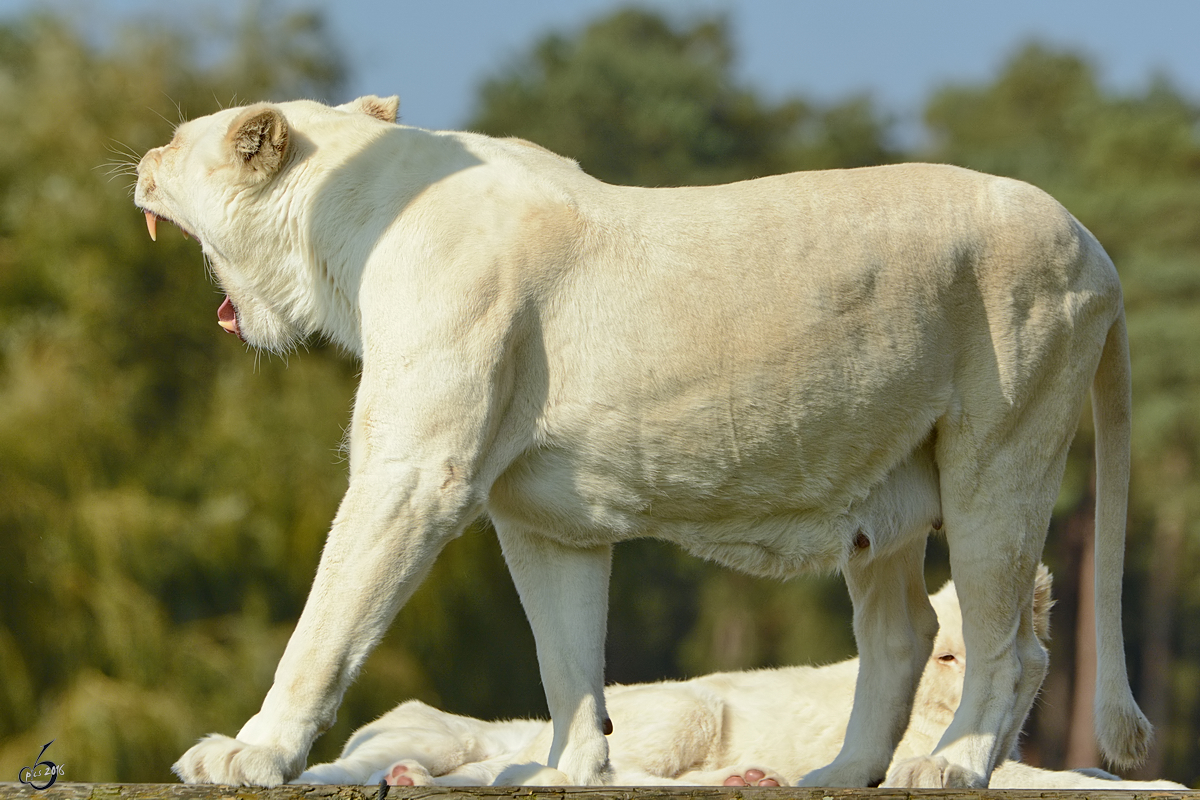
[(800, 372), (709, 730)]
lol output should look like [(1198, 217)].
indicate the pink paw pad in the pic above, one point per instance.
[(398, 776), (751, 777)]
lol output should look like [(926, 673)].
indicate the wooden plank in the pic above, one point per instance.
[(177, 791)]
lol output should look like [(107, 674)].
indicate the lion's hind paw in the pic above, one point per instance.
[(408, 773), (933, 772), (753, 776)]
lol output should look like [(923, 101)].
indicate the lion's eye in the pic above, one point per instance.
[(947, 658)]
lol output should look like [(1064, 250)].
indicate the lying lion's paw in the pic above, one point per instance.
[(225, 760), (932, 772), (531, 774), (408, 773), (753, 776)]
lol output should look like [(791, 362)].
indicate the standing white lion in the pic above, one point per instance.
[(801, 372)]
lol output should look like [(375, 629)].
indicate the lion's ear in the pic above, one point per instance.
[(381, 108), (258, 140)]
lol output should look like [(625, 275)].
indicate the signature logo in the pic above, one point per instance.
[(42, 774)]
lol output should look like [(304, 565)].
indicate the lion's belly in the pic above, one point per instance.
[(744, 489), (754, 529)]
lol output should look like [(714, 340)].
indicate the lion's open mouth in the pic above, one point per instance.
[(227, 318), (152, 226), (227, 311)]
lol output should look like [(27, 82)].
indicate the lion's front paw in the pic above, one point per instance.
[(225, 760), (933, 772)]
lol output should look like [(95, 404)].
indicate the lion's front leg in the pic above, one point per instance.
[(382, 543), (565, 594), (410, 492)]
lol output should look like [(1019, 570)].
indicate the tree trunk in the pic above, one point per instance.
[(1155, 695), (1082, 750)]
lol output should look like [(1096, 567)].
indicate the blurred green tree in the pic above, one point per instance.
[(637, 100)]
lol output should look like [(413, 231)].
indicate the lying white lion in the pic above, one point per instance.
[(801, 372), (729, 728)]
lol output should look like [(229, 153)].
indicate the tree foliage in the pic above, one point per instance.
[(164, 494), (639, 101)]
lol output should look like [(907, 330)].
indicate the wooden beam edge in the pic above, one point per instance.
[(177, 791)]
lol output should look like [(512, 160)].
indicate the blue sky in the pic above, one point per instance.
[(433, 53)]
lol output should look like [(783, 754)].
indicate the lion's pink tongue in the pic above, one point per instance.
[(227, 317)]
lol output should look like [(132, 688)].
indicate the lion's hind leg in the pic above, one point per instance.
[(998, 487)]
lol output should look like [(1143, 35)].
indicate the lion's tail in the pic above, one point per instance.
[(1122, 729)]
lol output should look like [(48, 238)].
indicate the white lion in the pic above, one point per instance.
[(801, 372), (766, 727)]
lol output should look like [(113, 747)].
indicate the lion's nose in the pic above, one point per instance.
[(151, 157)]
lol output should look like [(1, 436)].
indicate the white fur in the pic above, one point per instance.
[(703, 731), (799, 372)]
